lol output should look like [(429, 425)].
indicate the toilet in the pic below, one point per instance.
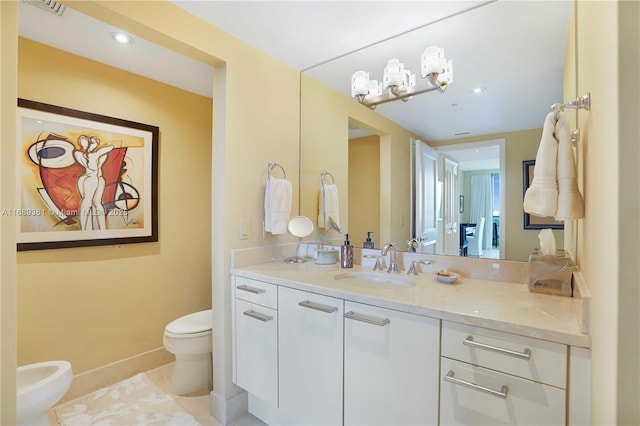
[(190, 339), (39, 387)]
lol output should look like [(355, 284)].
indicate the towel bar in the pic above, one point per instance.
[(583, 102), (272, 165), (324, 174)]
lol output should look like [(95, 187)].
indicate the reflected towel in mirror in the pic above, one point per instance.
[(328, 205), (277, 205)]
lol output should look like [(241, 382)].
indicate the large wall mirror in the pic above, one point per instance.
[(515, 53)]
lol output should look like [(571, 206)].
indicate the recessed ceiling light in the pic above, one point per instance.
[(479, 90), (122, 38)]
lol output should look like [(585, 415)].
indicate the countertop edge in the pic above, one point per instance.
[(583, 340)]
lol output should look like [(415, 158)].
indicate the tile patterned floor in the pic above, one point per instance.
[(197, 406)]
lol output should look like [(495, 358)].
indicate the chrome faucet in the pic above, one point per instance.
[(393, 257), (412, 245)]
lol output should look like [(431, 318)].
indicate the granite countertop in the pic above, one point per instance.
[(503, 306)]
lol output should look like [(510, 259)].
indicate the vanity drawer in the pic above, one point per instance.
[(521, 356), (471, 395), (257, 292)]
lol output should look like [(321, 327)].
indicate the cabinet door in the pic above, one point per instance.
[(473, 395), (310, 360), (390, 367), (257, 350)]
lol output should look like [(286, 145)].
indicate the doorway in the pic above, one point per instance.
[(482, 158)]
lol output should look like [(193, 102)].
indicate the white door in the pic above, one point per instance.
[(310, 358), (391, 362), (451, 243), (257, 350), (424, 181)]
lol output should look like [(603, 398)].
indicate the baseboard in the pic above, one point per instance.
[(227, 410), (92, 380)]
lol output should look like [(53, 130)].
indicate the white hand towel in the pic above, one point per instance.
[(541, 199), (277, 205), (328, 206), (570, 202)]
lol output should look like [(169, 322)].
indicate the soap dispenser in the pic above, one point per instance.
[(346, 253), (368, 243)]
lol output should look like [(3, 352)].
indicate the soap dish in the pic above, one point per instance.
[(449, 278)]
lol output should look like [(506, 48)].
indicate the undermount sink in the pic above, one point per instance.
[(374, 279)]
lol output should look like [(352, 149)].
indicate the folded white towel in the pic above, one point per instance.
[(570, 202), (328, 206), (277, 205), (541, 199)]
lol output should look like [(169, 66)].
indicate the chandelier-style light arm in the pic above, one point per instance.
[(373, 101)]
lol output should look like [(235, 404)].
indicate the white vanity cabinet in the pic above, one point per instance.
[(255, 338), (310, 358), (491, 377), (390, 367)]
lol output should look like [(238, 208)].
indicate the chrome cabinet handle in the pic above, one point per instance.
[(502, 393), (258, 315), (526, 354), (318, 306), (250, 289), (367, 318)]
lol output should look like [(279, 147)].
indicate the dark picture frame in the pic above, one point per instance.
[(530, 221), (84, 179)]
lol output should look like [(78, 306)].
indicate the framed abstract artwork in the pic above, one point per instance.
[(530, 221), (83, 179)]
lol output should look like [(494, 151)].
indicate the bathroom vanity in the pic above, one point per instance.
[(313, 345)]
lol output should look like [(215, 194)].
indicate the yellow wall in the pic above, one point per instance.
[(325, 116), (364, 189), (97, 305), (608, 43), (8, 94)]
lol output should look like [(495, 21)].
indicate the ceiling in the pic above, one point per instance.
[(513, 49)]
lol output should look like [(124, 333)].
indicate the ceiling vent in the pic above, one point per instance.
[(50, 6)]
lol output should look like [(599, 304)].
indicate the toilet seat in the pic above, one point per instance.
[(192, 325), (186, 335)]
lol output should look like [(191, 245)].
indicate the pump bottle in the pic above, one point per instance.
[(368, 243), (346, 253)]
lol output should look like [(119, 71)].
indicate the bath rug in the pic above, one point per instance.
[(135, 401)]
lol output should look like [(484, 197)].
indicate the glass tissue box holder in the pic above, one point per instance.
[(551, 274)]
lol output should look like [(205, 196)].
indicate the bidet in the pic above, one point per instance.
[(39, 387)]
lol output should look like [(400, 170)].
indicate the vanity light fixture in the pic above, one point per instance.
[(121, 38), (399, 83)]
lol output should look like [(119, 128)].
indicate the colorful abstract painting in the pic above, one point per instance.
[(84, 179)]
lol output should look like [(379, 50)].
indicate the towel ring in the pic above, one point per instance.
[(272, 165), (324, 174)]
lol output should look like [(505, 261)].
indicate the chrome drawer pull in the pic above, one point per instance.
[(250, 289), (526, 354), (318, 306), (367, 318), (502, 393), (258, 316)]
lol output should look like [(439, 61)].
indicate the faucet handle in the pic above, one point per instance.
[(412, 270), (378, 265)]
